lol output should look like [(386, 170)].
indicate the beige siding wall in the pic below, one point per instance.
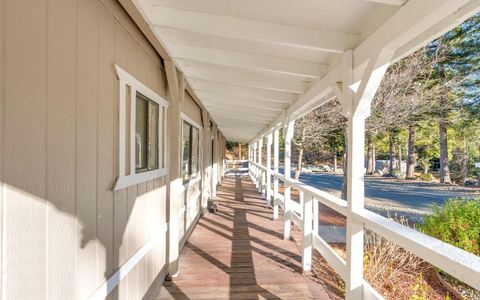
[(64, 230), (191, 109)]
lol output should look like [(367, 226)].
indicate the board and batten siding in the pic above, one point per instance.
[(64, 231)]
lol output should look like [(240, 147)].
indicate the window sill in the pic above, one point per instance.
[(129, 180)]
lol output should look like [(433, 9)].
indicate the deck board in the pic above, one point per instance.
[(239, 253)]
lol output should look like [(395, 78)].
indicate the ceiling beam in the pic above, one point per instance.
[(242, 79), (211, 105), (228, 122), (239, 119), (248, 102), (240, 107), (248, 61), (246, 113), (246, 29), (187, 63), (179, 36), (240, 91), (389, 2)]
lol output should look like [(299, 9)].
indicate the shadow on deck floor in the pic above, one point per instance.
[(239, 253)]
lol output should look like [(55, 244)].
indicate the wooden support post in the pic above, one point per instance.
[(307, 233), (287, 160), (205, 160), (355, 202), (315, 216), (357, 109), (276, 158), (175, 186), (269, 170), (260, 171), (215, 162), (255, 169), (301, 196)]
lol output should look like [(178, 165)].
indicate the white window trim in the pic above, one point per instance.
[(125, 180), (194, 178)]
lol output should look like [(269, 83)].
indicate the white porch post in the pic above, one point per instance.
[(307, 233), (357, 108), (288, 153), (276, 158), (255, 169), (260, 172), (315, 216), (269, 170), (176, 84), (355, 202)]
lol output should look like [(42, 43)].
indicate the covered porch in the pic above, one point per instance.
[(239, 253), (258, 67)]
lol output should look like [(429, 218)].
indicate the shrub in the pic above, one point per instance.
[(398, 174), (457, 223), (426, 177)]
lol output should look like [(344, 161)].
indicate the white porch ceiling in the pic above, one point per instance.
[(249, 60)]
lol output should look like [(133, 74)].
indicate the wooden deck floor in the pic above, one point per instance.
[(239, 253)]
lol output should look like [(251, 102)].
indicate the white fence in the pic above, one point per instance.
[(457, 262)]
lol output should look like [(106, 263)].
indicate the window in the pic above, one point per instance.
[(146, 134), (142, 132), (190, 152)]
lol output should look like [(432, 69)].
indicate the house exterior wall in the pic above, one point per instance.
[(64, 230)]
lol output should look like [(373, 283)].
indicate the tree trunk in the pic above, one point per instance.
[(425, 167), (335, 166), (345, 167), (411, 153), (370, 159), (390, 149), (444, 170), (464, 163), (374, 159), (399, 165), (298, 171)]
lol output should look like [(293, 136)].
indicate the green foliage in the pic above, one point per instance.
[(426, 177), (398, 174), (230, 145), (457, 223)]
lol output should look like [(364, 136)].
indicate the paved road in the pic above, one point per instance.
[(391, 194)]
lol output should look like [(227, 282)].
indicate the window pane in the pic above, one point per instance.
[(195, 149), (141, 128), (153, 136), (186, 158)]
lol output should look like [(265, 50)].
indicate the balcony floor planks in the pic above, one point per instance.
[(239, 253)]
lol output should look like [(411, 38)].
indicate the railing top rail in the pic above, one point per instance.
[(258, 165), (328, 199), (459, 263), (455, 261)]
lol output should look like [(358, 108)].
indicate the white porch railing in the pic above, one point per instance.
[(457, 262)]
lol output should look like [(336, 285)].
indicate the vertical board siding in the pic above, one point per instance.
[(24, 148), (64, 231), (106, 145), (60, 138), (86, 146)]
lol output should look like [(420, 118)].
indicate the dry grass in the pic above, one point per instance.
[(397, 273)]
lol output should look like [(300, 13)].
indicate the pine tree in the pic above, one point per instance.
[(455, 79)]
